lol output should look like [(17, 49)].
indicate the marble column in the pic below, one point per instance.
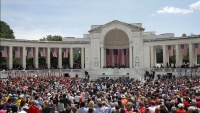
[(123, 62), (71, 58), (195, 59), (105, 64), (82, 57), (165, 55), (10, 57), (60, 58), (130, 57), (191, 53), (48, 59), (24, 54), (177, 55), (102, 57), (152, 56), (36, 58)]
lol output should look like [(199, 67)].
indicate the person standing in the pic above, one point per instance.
[(33, 108)]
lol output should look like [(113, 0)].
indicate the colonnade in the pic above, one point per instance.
[(23, 56), (179, 56)]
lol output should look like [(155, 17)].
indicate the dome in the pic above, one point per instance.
[(184, 35)]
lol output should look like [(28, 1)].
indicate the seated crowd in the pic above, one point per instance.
[(52, 94), (41, 67)]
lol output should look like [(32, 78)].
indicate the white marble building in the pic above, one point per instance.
[(141, 48)]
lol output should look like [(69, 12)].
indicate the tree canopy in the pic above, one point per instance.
[(51, 38), (6, 31)]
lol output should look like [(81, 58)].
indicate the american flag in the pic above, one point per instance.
[(184, 48), (120, 57), (197, 49), (65, 53), (4, 51), (42, 52), (170, 50), (17, 52), (115, 56), (54, 52), (30, 52)]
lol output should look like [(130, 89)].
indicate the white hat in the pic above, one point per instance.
[(48, 94), (21, 96), (180, 105), (123, 96)]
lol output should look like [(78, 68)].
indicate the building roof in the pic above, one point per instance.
[(133, 27)]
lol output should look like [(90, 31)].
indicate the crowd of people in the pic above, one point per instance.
[(53, 94), (41, 67)]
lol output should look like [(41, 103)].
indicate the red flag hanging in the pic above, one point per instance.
[(65, 53), (170, 50), (54, 52), (30, 52), (42, 52), (17, 52), (184, 48), (197, 49), (4, 51), (120, 57)]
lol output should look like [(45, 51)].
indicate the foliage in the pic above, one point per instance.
[(198, 59), (16, 61), (186, 58), (51, 38), (5, 31), (77, 58), (172, 59), (29, 61)]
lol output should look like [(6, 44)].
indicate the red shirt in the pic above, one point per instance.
[(181, 111), (33, 109), (186, 104), (142, 110), (198, 104)]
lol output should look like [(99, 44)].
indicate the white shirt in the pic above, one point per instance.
[(77, 98), (102, 110), (71, 98), (83, 110), (152, 109)]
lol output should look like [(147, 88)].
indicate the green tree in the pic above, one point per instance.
[(51, 38), (186, 58), (6, 31), (198, 59)]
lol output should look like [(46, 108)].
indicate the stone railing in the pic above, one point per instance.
[(178, 71), (47, 72)]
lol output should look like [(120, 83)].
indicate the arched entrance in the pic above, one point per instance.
[(116, 42)]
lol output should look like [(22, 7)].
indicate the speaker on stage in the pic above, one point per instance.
[(103, 73), (86, 73), (169, 75), (127, 73), (66, 74), (76, 75)]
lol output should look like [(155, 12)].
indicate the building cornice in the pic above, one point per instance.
[(131, 26)]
